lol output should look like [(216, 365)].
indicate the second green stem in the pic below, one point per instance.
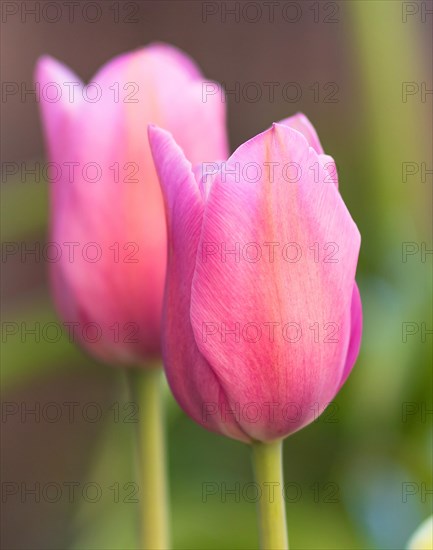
[(145, 386)]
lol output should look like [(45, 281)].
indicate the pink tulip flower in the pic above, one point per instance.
[(262, 319), (108, 229)]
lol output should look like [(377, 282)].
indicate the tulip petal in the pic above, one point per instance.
[(59, 117), (355, 334), (262, 361), (161, 85), (301, 123), (190, 376), (330, 169), (113, 198)]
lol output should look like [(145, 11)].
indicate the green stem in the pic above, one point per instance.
[(146, 391), (268, 471)]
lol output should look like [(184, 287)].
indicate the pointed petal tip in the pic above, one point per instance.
[(151, 129), (158, 137), (165, 56), (48, 69), (301, 123), (45, 65)]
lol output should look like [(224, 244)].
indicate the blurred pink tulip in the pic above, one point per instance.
[(107, 213), (262, 319)]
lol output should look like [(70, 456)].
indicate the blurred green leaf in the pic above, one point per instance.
[(24, 209)]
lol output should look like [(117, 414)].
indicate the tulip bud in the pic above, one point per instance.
[(422, 539), (262, 318), (107, 212)]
